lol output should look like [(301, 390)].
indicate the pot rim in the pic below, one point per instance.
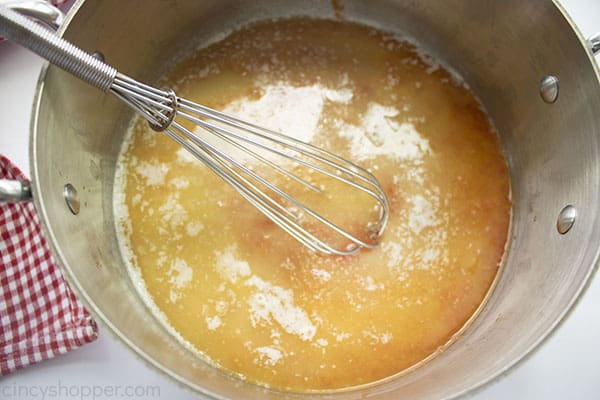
[(184, 383)]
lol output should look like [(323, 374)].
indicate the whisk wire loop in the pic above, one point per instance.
[(253, 195), (162, 108)]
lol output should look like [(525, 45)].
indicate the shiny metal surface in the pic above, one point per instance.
[(41, 10), (58, 51), (53, 17), (98, 56), (566, 219), (14, 191), (594, 43), (225, 143), (553, 154), (71, 198), (222, 137), (549, 89)]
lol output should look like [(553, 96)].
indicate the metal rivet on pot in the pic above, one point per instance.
[(98, 56), (566, 219), (549, 89), (71, 197)]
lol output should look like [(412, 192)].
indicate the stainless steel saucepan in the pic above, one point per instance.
[(535, 74)]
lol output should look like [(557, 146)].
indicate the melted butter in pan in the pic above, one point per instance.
[(251, 299)]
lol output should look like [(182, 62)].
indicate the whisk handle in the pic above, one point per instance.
[(55, 49)]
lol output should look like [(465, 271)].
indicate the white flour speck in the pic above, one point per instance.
[(379, 134), (193, 228), (285, 108), (273, 303), (422, 215), (269, 356), (180, 273), (154, 173), (172, 212), (229, 266), (321, 274), (213, 322)]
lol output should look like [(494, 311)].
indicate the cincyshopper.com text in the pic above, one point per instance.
[(64, 391)]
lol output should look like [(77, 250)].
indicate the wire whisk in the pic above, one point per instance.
[(246, 156)]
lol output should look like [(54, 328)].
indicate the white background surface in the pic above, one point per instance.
[(566, 367)]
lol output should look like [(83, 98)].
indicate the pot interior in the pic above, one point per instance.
[(502, 50)]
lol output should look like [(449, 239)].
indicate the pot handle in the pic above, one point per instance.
[(40, 10), (55, 49), (14, 191), (594, 43)]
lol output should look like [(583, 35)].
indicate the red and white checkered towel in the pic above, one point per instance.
[(39, 314)]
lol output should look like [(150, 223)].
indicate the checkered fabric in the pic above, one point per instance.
[(39, 314)]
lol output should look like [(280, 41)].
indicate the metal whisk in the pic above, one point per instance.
[(220, 139)]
